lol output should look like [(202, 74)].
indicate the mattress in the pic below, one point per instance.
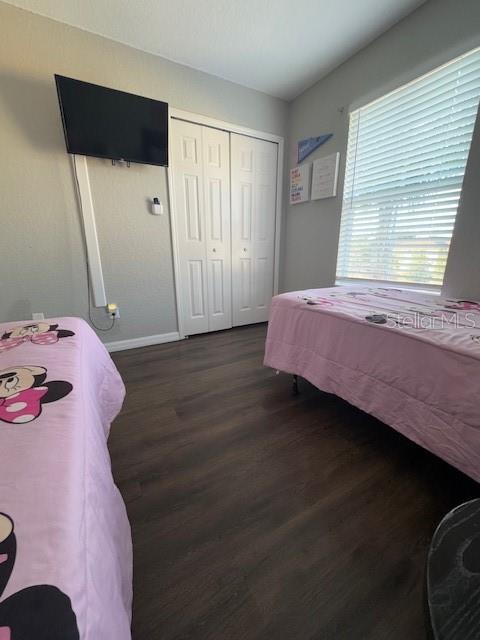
[(65, 542), (411, 360)]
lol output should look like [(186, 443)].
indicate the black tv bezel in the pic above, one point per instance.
[(105, 157)]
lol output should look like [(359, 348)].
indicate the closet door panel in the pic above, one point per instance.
[(264, 227), (216, 161), (188, 184), (254, 180)]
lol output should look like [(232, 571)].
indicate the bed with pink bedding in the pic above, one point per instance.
[(65, 542), (412, 360)]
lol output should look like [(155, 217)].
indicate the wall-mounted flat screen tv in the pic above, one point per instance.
[(106, 123)]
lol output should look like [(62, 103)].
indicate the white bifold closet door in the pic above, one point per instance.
[(201, 181), (254, 193)]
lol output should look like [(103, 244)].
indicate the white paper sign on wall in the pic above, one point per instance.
[(325, 177), (300, 183)]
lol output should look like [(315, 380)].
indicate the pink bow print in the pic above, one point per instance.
[(49, 337)]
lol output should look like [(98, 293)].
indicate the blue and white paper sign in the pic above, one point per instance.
[(307, 146)]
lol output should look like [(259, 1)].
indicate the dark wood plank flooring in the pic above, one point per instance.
[(257, 515)]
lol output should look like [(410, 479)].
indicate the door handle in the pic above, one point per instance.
[(244, 248), (214, 250)]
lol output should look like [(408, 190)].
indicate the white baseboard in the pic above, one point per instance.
[(145, 341)]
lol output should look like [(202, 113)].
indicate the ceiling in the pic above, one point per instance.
[(280, 47)]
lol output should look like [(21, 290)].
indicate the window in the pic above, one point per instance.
[(406, 159)]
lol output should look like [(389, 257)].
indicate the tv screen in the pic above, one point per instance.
[(106, 123)]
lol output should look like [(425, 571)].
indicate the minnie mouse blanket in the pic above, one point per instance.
[(65, 543), (410, 359)]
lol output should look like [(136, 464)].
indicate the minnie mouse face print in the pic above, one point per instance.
[(23, 392), (41, 612)]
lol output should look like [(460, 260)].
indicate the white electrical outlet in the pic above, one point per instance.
[(38, 316)]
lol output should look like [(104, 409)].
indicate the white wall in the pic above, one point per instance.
[(435, 33), (42, 259)]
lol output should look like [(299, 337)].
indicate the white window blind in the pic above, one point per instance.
[(406, 159)]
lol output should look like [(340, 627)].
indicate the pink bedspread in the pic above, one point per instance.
[(410, 359), (65, 543)]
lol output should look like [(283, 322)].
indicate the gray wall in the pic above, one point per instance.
[(436, 32), (462, 275), (42, 260)]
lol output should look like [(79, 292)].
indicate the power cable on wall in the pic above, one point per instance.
[(86, 258)]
